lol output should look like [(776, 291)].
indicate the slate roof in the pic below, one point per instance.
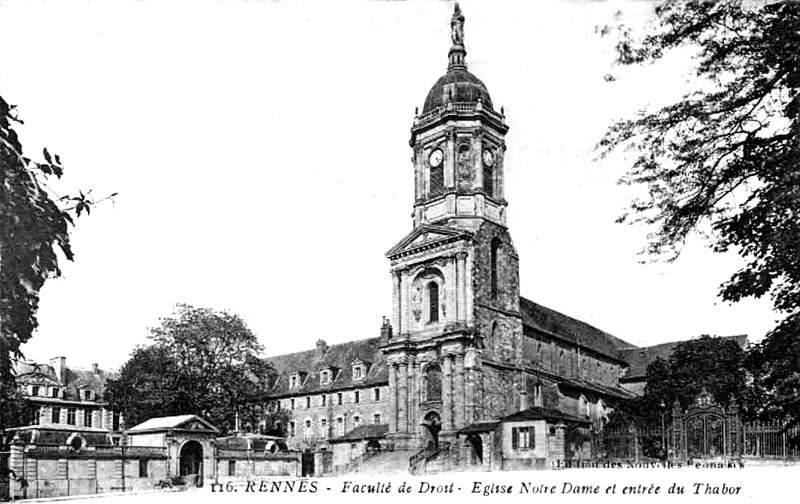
[(367, 431), (340, 357), (541, 413), (480, 427), (549, 321), (76, 379), (639, 358)]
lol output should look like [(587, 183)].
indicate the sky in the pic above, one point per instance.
[(260, 152)]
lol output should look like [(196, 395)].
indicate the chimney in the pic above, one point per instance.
[(322, 347), (537, 394), (59, 365), (95, 368), (386, 329), (523, 400)]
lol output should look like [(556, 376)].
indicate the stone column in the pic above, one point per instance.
[(413, 383), (459, 399), (451, 290), (450, 160), (461, 288), (419, 174), (405, 301), (396, 304), (447, 393), (392, 398), (402, 399), (477, 144)]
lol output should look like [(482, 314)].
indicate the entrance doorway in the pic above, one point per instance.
[(475, 444), (191, 463), (432, 423)]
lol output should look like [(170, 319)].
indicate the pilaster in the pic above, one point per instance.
[(447, 393), (392, 398), (459, 392)]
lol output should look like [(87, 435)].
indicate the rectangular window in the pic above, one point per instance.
[(324, 399), (308, 402), (87, 418), (87, 395), (291, 428), (291, 404), (376, 418), (323, 427), (522, 438), (340, 426), (231, 468), (35, 390), (357, 372), (115, 420), (37, 416), (356, 421), (70, 416), (54, 392), (143, 468), (356, 396), (339, 398), (376, 394)]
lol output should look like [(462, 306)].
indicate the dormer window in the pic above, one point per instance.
[(325, 377), (358, 373), (87, 395), (296, 380), (35, 390)]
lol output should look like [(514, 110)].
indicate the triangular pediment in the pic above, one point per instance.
[(425, 236), (196, 424)]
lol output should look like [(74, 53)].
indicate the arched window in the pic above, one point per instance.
[(433, 302), (495, 252), (433, 377), (488, 180)]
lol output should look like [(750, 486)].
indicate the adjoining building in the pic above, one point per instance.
[(64, 397)]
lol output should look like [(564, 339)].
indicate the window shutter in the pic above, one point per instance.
[(515, 438)]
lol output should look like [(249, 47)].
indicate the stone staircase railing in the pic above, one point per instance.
[(422, 457)]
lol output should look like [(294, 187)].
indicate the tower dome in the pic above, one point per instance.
[(458, 85)]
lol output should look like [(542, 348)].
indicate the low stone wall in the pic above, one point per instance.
[(56, 471), (238, 465)]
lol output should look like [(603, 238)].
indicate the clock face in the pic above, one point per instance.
[(436, 157), (488, 158)]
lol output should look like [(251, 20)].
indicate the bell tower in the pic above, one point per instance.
[(458, 146), (455, 297)]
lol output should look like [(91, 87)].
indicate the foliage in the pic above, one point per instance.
[(201, 362), (34, 226), (704, 364), (725, 160)]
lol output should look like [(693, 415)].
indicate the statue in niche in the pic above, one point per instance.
[(464, 164), (416, 303)]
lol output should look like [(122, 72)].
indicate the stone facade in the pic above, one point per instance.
[(462, 348), (329, 391), (68, 396)]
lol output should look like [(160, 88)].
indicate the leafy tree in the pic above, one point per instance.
[(201, 362), (705, 364), (34, 226), (725, 161)]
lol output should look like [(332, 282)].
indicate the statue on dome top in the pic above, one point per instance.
[(457, 26)]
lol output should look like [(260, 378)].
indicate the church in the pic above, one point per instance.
[(466, 368)]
